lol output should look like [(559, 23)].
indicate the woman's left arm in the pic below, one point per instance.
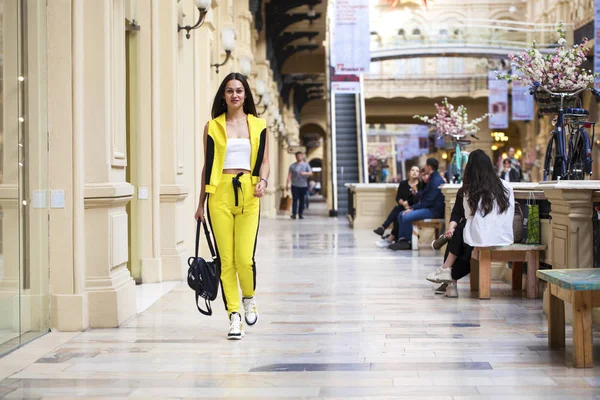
[(265, 170)]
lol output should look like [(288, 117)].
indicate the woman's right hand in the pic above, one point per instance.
[(449, 233), (199, 214)]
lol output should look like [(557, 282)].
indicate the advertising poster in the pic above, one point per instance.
[(498, 102), (350, 52), (522, 102)]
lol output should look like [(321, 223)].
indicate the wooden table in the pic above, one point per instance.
[(481, 273), (581, 289)]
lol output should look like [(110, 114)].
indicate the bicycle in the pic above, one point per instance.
[(459, 160), (570, 160)]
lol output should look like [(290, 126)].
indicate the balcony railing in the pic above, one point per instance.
[(474, 38), (427, 86)]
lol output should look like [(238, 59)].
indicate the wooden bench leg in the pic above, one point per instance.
[(415, 237), (517, 275), (485, 273), (556, 321), (533, 264), (474, 278), (583, 356)]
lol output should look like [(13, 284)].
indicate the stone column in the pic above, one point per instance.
[(146, 262), (172, 188), (99, 78), (68, 298)]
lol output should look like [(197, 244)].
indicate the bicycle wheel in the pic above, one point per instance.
[(550, 169), (580, 155)]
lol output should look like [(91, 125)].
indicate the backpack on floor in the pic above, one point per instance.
[(204, 276)]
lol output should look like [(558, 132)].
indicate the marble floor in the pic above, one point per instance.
[(339, 319)]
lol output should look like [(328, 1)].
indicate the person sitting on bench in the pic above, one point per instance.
[(405, 197), (430, 205), (482, 217)]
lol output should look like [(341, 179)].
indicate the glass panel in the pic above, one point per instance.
[(10, 272), (35, 303), (24, 297)]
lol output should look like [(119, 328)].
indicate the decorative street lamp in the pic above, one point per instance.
[(228, 38), (203, 6)]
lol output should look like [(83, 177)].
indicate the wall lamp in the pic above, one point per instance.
[(266, 99), (203, 6), (245, 66), (260, 90), (228, 39)]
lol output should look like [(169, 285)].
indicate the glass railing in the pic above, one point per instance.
[(472, 85), (485, 37)]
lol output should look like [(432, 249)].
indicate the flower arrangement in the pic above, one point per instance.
[(558, 72), (451, 121)]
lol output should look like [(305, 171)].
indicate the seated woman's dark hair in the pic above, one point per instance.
[(480, 182), (219, 106)]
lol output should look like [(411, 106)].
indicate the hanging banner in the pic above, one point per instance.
[(522, 101), (597, 42), (350, 52), (498, 102)]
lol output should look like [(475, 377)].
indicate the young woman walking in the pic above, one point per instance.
[(482, 217), (234, 178)]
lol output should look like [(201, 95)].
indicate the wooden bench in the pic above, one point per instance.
[(436, 224), (481, 272), (581, 289)]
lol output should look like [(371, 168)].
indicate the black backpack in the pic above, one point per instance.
[(204, 276)]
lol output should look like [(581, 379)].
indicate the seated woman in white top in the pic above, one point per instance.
[(482, 217)]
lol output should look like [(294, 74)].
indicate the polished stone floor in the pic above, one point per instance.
[(339, 319)]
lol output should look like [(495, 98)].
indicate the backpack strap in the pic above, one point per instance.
[(211, 247), (208, 307)]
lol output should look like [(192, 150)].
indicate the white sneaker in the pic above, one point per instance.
[(451, 290), (382, 244), (235, 327), (250, 310), (440, 275)]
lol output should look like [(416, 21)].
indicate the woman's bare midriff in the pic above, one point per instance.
[(235, 171)]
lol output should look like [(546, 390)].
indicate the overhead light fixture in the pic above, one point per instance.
[(203, 6), (228, 40)]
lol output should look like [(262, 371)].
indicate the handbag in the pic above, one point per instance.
[(204, 276), (285, 203), (518, 223), (531, 222)]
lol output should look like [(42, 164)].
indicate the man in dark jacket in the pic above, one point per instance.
[(431, 205)]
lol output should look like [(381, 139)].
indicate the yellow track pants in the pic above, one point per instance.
[(233, 214)]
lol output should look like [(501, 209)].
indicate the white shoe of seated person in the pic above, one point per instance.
[(451, 290), (440, 275)]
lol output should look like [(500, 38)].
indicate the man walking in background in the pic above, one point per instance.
[(297, 181)]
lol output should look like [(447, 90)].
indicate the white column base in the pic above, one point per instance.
[(69, 312), (175, 265), (111, 301), (152, 270)]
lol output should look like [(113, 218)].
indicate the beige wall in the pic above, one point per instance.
[(123, 129)]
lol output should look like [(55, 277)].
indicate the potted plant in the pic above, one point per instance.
[(453, 123), (559, 72)]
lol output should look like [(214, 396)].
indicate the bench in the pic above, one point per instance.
[(436, 224), (481, 272), (581, 289)]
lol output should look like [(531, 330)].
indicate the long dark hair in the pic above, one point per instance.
[(480, 182), (220, 106)]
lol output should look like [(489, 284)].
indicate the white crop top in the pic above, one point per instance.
[(237, 155)]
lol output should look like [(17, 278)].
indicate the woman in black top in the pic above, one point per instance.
[(405, 197)]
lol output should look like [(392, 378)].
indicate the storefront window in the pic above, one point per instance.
[(24, 299)]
